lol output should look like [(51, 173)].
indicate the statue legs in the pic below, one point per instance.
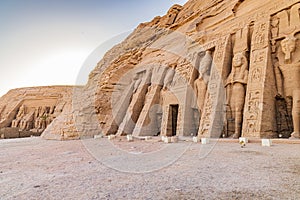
[(201, 88), (296, 113), (238, 101)]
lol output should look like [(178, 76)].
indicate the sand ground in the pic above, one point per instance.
[(32, 168)]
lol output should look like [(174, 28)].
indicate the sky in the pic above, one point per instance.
[(45, 42)]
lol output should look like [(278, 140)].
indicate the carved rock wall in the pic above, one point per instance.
[(240, 98), (29, 111), (248, 87)]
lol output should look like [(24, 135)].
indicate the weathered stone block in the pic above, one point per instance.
[(111, 137), (204, 140), (129, 138), (174, 139), (266, 142), (167, 140), (196, 139), (98, 136), (147, 138)]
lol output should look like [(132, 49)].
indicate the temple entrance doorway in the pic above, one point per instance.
[(172, 120)]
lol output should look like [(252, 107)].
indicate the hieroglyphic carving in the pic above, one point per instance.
[(258, 57), (252, 111), (253, 105), (213, 107), (180, 117), (206, 117), (219, 53), (258, 83), (256, 75), (164, 123), (257, 62), (183, 73), (260, 36)]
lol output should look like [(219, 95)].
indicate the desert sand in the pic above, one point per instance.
[(32, 168)]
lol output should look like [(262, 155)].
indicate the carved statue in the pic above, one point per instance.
[(2, 111), (21, 112), (44, 118), (136, 82), (169, 76), (274, 27), (201, 82), (236, 89), (140, 79), (52, 108), (289, 66), (20, 115), (26, 122)]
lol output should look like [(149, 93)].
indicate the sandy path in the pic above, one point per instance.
[(32, 168)]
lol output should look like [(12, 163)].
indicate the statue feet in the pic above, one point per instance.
[(295, 135), (236, 136)]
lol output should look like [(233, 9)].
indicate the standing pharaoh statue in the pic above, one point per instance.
[(21, 113), (236, 90), (169, 76), (201, 82), (289, 66)]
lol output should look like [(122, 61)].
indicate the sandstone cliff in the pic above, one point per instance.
[(29, 111), (169, 52), (209, 68)]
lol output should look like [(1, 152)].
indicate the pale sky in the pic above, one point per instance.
[(45, 42)]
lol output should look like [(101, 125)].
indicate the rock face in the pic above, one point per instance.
[(212, 68), (29, 111), (209, 68)]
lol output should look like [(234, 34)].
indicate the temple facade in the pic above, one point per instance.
[(231, 71)]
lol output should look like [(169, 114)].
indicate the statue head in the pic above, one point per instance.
[(135, 77), (288, 46), (275, 22), (205, 63), (173, 66), (239, 59)]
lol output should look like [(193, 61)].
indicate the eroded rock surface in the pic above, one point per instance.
[(30, 111), (216, 68)]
